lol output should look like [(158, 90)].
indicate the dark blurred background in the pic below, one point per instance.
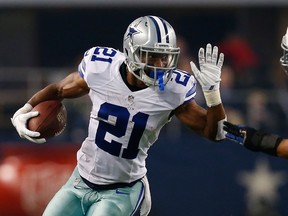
[(42, 41)]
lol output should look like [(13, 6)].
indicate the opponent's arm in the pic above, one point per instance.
[(282, 149), (256, 140), (70, 87)]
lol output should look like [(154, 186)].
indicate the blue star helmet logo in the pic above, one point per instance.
[(132, 31)]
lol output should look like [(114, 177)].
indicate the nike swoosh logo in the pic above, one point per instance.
[(121, 192)]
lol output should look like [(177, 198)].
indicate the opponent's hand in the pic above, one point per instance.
[(235, 132), (19, 121), (210, 68), (240, 134)]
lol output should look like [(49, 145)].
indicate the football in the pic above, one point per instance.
[(51, 120)]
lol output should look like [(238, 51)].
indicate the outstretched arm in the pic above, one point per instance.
[(207, 123), (256, 140)]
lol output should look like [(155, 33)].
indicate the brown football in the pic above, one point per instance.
[(51, 120)]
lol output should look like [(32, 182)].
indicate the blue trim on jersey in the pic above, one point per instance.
[(190, 98), (188, 101), (157, 29), (82, 68), (191, 91), (190, 94), (80, 72)]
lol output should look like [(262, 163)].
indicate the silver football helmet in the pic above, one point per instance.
[(284, 58), (147, 40)]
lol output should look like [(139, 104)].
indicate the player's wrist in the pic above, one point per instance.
[(25, 109), (212, 98), (211, 87)]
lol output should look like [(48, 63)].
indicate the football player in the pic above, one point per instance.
[(257, 140), (134, 94)]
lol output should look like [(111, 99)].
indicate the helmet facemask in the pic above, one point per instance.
[(144, 67)]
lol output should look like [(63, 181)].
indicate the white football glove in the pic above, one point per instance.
[(209, 75), (210, 68), (19, 121)]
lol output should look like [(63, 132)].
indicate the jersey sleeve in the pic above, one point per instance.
[(82, 65), (99, 63), (183, 86), (190, 90)]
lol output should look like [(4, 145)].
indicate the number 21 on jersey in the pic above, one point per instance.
[(119, 129), (122, 116)]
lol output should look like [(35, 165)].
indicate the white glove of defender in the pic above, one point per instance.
[(210, 68), (19, 121), (209, 75)]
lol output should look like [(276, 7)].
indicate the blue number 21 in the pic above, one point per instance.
[(119, 129), (103, 54)]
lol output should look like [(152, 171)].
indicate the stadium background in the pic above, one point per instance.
[(42, 41)]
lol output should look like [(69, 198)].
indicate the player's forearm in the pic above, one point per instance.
[(72, 86), (215, 116), (50, 92)]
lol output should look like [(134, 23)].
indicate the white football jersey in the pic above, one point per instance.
[(124, 123)]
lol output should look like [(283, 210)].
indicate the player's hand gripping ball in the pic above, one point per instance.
[(51, 120)]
